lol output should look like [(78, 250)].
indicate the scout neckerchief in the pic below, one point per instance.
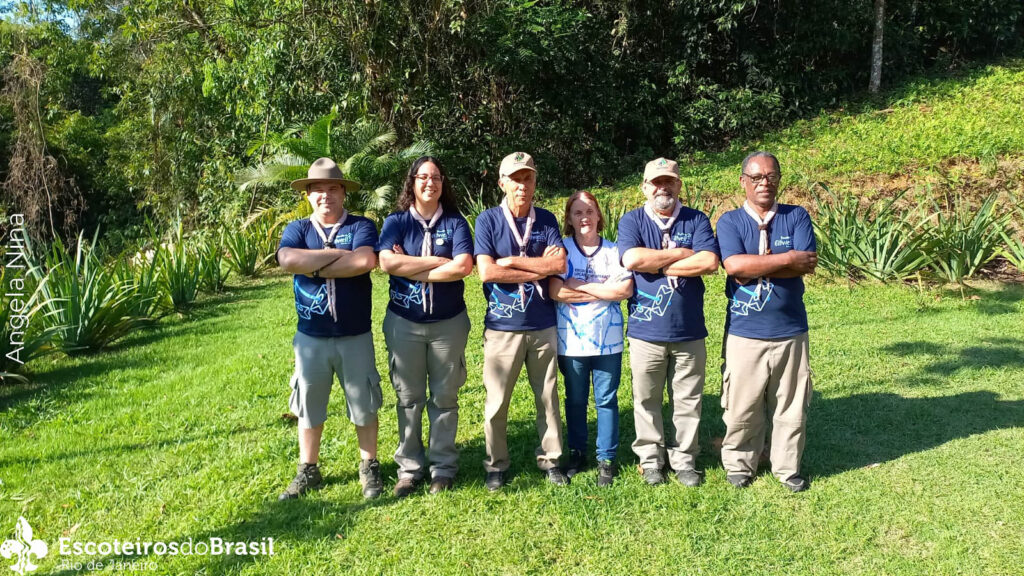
[(763, 243), (328, 240), (522, 241), (666, 232), (427, 249)]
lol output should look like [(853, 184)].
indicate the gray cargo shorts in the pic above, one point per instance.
[(318, 361)]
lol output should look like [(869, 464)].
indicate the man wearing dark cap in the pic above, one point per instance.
[(331, 254), (518, 246), (668, 247)]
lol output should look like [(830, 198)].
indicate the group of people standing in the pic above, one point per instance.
[(553, 304)]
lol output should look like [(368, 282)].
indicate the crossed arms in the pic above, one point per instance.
[(425, 268), (520, 269), (331, 262), (745, 267), (670, 261)]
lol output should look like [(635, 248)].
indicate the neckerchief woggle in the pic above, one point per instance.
[(530, 219), (427, 249), (666, 233), (763, 243), (328, 239)]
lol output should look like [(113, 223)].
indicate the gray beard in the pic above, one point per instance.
[(664, 203)]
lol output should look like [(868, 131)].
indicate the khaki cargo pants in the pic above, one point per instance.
[(762, 377)]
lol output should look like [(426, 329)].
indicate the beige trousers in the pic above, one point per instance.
[(764, 377), (682, 365), (504, 356)]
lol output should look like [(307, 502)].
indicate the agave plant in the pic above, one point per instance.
[(365, 150), (1014, 239), (251, 247), (961, 243), (180, 269), (84, 304), (213, 270), (877, 242), (22, 337)]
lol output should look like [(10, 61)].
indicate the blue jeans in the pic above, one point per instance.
[(606, 371)]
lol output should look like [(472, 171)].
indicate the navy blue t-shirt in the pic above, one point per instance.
[(353, 295), (451, 237), (657, 313), (779, 310), (505, 310)]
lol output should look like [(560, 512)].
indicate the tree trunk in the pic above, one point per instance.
[(876, 48)]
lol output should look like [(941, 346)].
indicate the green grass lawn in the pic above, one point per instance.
[(915, 434)]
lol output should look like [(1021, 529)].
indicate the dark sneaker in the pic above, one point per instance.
[(369, 478), (577, 463), (689, 477), (797, 484), (606, 472), (307, 478), (494, 481), (557, 477), (441, 484), (654, 476), (405, 487), (739, 480)]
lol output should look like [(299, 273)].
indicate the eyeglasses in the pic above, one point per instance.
[(425, 177), (755, 179)]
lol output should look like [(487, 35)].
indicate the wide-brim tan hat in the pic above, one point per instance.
[(661, 167), (324, 170), (515, 162)]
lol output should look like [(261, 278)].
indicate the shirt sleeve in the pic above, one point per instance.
[(616, 272), (484, 244), (365, 234), (803, 232), (390, 233), (629, 235), (292, 236), (703, 237), (729, 239), (462, 243)]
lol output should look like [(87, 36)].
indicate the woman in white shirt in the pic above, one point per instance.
[(590, 328)]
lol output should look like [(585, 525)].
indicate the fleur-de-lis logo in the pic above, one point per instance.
[(24, 547), (520, 156)]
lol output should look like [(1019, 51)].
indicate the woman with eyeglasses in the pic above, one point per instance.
[(427, 248), (590, 333)]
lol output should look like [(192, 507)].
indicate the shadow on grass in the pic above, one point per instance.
[(856, 431), (990, 353), (122, 449), (305, 519)]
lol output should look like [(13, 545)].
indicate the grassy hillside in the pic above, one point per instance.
[(934, 136)]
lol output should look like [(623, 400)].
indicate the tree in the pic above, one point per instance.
[(364, 149), (876, 48)]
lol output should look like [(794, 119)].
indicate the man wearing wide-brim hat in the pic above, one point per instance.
[(331, 254)]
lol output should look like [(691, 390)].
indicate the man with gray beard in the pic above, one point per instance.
[(668, 247)]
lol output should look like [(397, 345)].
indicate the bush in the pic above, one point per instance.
[(213, 270), (86, 306), (27, 335), (881, 243), (252, 247), (961, 243), (180, 269)]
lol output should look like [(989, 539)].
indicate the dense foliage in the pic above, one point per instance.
[(151, 107)]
